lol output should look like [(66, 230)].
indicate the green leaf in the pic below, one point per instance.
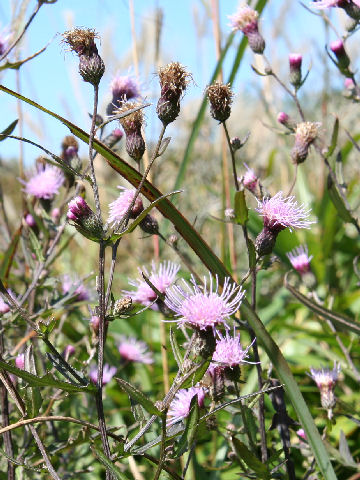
[(8, 130), (46, 381), (249, 458), (338, 202), (334, 138), (241, 210), (339, 320), (192, 424), (35, 245), (194, 377), (213, 263), (175, 348), (33, 399), (108, 464), (252, 253), (9, 255), (17, 65), (48, 327), (139, 397)]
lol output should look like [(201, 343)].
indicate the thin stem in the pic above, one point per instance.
[(294, 181), (112, 271), (91, 153), (162, 446), (43, 452), (233, 161), (164, 357)]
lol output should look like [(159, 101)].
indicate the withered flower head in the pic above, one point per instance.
[(173, 80), (305, 134), (220, 97), (82, 42), (132, 123)]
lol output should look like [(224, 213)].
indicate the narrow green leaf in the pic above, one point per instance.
[(241, 209), (9, 255), (334, 138), (249, 458), (338, 202), (139, 397), (8, 130), (46, 380), (345, 450), (339, 320), (252, 253), (20, 63), (196, 376), (192, 424), (35, 245), (108, 464), (175, 348)]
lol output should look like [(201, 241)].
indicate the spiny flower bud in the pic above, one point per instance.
[(173, 80), (337, 47), (122, 305), (220, 97), (236, 143), (305, 134), (85, 220), (149, 225), (82, 42), (132, 123), (295, 60), (246, 20)]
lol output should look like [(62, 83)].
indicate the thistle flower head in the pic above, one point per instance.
[(250, 179), (295, 60), (69, 147), (281, 212), (305, 134), (85, 220), (325, 380), (81, 40), (78, 289), (220, 97), (283, 118), (30, 220), (203, 307), (4, 307), (45, 183), (132, 123), (299, 259), (228, 351), (246, 20), (161, 276), (321, 4), (20, 361), (119, 207), (180, 406), (108, 373), (134, 350)]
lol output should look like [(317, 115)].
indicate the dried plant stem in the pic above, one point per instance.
[(233, 160), (91, 153)]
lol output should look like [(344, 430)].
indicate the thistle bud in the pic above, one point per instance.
[(295, 60), (217, 387), (149, 225), (173, 80), (287, 121), (250, 180), (85, 220), (20, 361), (132, 123), (338, 49), (246, 20), (236, 143), (325, 380), (30, 221), (82, 42), (69, 154), (220, 97), (94, 323), (305, 134)]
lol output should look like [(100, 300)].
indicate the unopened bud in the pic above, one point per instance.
[(265, 241), (85, 220), (295, 60), (337, 47), (205, 343), (149, 225), (236, 143)]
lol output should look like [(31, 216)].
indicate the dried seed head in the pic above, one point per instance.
[(220, 97), (305, 134), (173, 80), (122, 305), (132, 123), (81, 40)]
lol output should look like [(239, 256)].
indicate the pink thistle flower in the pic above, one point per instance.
[(4, 307), (30, 221), (228, 351), (180, 406), (45, 183), (80, 292), (123, 88), (299, 259), (108, 373), (325, 380), (202, 307), (246, 20), (280, 213), (161, 277), (68, 351), (20, 361), (283, 118), (134, 350), (119, 207), (250, 179), (301, 433), (94, 323)]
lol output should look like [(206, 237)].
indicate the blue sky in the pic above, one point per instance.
[(52, 79)]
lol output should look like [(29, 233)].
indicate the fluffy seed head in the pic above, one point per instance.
[(134, 350), (202, 306), (119, 207), (180, 406), (81, 40), (220, 97), (305, 134), (299, 259), (45, 183)]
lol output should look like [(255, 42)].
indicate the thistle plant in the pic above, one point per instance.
[(141, 335)]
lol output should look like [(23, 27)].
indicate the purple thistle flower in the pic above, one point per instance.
[(108, 373), (301, 433), (250, 179), (202, 307), (78, 209), (68, 351), (161, 276), (299, 259), (30, 221), (325, 380), (180, 406), (246, 20), (118, 207), (123, 88), (45, 183), (85, 220), (280, 213), (283, 118), (81, 292), (228, 351), (20, 361), (321, 4), (134, 350), (4, 307)]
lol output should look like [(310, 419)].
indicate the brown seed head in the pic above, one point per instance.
[(81, 40), (133, 121), (173, 79), (220, 97), (69, 141), (307, 131)]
